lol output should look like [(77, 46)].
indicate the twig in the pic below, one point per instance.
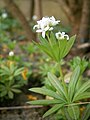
[(41, 106), (83, 46), (20, 107), (80, 103)]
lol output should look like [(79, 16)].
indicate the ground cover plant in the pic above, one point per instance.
[(66, 97), (12, 78)]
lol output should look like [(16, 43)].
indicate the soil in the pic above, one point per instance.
[(18, 109), (23, 114)]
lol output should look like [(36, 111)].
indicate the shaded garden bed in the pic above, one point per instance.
[(25, 113)]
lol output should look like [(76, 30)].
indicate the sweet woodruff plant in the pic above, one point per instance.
[(65, 97)]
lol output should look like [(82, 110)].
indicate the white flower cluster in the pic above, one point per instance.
[(45, 24), (61, 35)]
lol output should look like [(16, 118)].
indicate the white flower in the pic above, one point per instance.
[(34, 17), (53, 21), (61, 35), (45, 24), (4, 15), (11, 53)]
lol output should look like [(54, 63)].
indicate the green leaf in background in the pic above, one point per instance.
[(15, 90), (3, 93), (4, 70), (10, 94), (18, 71), (83, 63), (12, 68)]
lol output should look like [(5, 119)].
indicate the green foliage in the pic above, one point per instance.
[(11, 79), (56, 49), (86, 113), (29, 48), (7, 21), (74, 112), (60, 97), (83, 63), (10, 29)]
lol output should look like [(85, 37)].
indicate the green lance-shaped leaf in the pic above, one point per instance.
[(53, 109), (18, 71), (16, 90), (86, 113), (81, 96), (12, 68), (69, 44), (73, 82), (66, 113), (51, 49), (4, 71), (52, 38), (2, 87), (44, 102), (10, 94), (62, 47), (46, 49), (43, 41), (3, 93), (50, 93), (82, 89), (57, 85), (55, 51), (16, 86), (54, 47), (74, 112)]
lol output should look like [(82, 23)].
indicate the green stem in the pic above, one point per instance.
[(63, 82), (48, 38)]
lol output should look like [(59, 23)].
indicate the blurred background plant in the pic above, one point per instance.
[(12, 78), (9, 26)]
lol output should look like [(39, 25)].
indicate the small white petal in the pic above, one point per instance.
[(46, 28), (38, 30), (35, 26), (61, 35), (66, 36), (43, 34), (51, 28)]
